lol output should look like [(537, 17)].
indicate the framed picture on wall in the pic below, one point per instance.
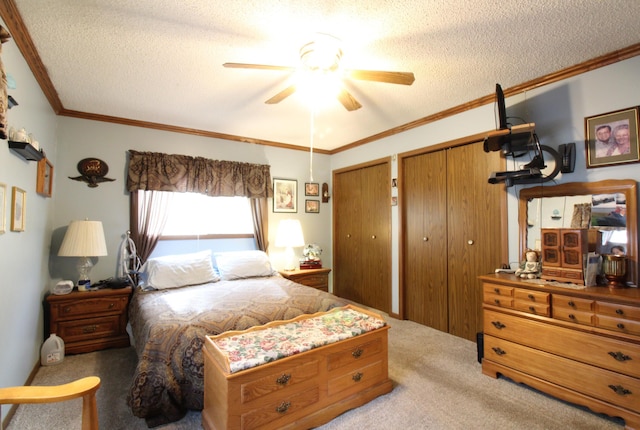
[(311, 189), (612, 138), (18, 213), (312, 206), (3, 210), (285, 195)]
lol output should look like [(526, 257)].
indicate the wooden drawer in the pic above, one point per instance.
[(588, 348), (316, 280), (357, 379), (278, 381), (617, 310), (282, 408), (573, 303), (618, 324), (577, 317), (87, 329), (603, 384), (489, 289), (88, 307), (355, 353), (535, 302), (495, 300)]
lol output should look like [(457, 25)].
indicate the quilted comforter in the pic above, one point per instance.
[(169, 327)]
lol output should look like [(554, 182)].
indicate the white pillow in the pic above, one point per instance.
[(178, 270), (243, 264)]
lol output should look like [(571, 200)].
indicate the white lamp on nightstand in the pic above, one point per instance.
[(289, 235), (84, 239)]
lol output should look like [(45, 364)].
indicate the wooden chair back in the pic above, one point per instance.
[(85, 388)]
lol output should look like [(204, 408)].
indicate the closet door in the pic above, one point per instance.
[(362, 235), (476, 234), (424, 238)]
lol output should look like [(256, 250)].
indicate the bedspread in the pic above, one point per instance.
[(169, 327)]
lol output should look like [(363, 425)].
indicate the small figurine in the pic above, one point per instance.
[(529, 269)]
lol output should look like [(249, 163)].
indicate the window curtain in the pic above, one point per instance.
[(153, 171)]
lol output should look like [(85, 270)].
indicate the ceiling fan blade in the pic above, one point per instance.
[(257, 66), (402, 78), (281, 95), (348, 101)]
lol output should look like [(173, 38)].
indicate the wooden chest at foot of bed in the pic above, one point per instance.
[(302, 390)]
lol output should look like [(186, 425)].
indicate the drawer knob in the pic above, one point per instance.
[(619, 356), (573, 305), (531, 297), (357, 353), (357, 377), (620, 390), (532, 309), (67, 309), (496, 290), (283, 407), (619, 311), (497, 302), (282, 380), (499, 351), (89, 328), (620, 326), (498, 325), (572, 316), (111, 305)]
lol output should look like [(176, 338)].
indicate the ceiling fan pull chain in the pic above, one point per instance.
[(312, 131)]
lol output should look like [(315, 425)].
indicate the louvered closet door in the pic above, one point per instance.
[(476, 233), (362, 236), (424, 185)]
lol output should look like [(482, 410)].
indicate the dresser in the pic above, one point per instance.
[(316, 278), (303, 390), (579, 345), (89, 320)]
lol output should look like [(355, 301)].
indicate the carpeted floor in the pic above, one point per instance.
[(438, 385)]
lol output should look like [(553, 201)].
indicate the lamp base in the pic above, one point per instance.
[(84, 267)]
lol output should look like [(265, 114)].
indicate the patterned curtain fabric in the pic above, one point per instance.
[(155, 171)]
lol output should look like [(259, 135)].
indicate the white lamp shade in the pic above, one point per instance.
[(83, 239), (289, 233)]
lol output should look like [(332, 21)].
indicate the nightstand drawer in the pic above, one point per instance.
[(86, 329), (88, 307)]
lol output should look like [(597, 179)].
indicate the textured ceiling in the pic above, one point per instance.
[(160, 61)]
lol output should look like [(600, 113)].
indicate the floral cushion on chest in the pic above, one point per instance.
[(253, 348)]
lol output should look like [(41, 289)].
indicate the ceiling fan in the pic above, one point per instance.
[(323, 55)]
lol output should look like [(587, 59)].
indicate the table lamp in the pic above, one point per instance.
[(84, 239), (289, 234)]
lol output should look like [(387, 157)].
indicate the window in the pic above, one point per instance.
[(192, 214)]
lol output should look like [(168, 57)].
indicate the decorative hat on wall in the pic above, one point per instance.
[(92, 171)]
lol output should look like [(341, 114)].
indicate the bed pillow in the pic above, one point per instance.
[(173, 271), (243, 264)]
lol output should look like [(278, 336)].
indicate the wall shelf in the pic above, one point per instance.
[(26, 151)]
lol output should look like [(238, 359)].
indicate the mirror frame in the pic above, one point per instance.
[(610, 186)]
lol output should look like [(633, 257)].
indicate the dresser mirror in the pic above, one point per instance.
[(607, 208)]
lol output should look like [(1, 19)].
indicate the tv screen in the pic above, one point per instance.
[(502, 109)]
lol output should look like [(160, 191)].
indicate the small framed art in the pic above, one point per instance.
[(18, 213), (3, 202), (285, 195), (312, 206), (612, 138), (44, 180), (311, 189)]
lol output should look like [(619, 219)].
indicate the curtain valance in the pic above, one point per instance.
[(154, 171)]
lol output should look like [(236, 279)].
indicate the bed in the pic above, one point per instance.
[(173, 310)]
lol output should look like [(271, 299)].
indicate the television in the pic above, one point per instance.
[(502, 109)]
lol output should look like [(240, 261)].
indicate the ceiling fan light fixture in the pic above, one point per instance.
[(322, 53)]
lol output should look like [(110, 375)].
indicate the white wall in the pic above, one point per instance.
[(24, 255), (558, 110)]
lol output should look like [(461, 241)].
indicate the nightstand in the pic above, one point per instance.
[(89, 320), (316, 278)]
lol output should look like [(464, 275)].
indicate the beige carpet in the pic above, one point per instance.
[(438, 385)]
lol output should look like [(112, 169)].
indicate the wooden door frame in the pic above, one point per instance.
[(504, 239)]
